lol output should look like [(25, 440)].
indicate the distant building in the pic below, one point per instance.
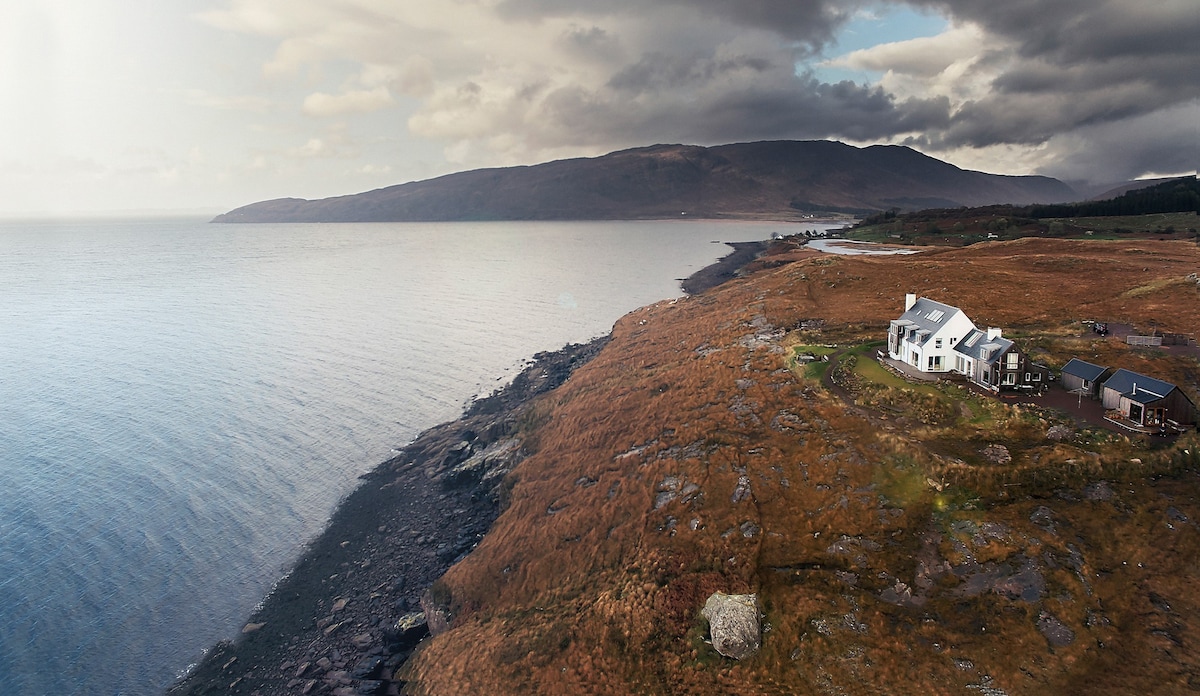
[(925, 335), (1146, 402), (1081, 377)]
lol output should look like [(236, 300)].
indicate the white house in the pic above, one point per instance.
[(925, 335)]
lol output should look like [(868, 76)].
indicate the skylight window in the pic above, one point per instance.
[(936, 315)]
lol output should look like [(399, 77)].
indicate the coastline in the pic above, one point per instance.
[(342, 620), (331, 621), (725, 268)]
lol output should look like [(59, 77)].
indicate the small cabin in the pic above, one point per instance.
[(1082, 377), (1147, 402)]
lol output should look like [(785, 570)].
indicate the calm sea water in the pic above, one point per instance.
[(183, 404)]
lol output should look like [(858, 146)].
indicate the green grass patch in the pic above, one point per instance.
[(1118, 226), (812, 370)]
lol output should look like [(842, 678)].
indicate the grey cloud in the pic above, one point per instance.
[(593, 42), (1077, 63), (1163, 143), (791, 107), (658, 71), (812, 22)]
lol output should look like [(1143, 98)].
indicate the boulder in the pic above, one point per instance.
[(733, 624), (409, 630), (1058, 433), (997, 454)]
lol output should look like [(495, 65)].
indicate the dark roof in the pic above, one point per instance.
[(1139, 388), (1083, 370), (978, 346)]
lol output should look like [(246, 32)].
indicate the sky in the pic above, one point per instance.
[(114, 106)]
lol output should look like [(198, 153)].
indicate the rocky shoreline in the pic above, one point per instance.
[(363, 594), (348, 614)]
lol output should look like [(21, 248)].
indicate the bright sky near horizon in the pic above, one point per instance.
[(205, 105)]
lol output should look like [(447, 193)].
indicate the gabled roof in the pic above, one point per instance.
[(928, 315), (1139, 388), (988, 351), (1083, 370)]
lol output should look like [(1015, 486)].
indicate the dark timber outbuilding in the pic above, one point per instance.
[(1081, 377), (1147, 402)]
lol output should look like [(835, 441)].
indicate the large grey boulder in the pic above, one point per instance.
[(733, 624)]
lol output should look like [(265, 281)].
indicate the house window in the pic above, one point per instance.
[(1010, 378), (935, 362), (937, 343), (1037, 377), (1010, 361), (1027, 379)]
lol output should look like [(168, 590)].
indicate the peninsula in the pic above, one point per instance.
[(894, 534)]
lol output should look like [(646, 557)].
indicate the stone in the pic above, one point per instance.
[(733, 624), (1058, 433), (997, 454), (1056, 632), (362, 641), (409, 630), (252, 627), (370, 687), (1098, 491), (367, 668)]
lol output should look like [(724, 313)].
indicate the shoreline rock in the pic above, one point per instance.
[(348, 614)]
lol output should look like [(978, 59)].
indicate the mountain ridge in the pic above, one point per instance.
[(777, 179)]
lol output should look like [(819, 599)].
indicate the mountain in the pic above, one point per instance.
[(1121, 189), (780, 179)]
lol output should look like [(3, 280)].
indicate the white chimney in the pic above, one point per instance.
[(993, 332), (909, 300)]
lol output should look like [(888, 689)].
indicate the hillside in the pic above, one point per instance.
[(888, 553), (890, 549), (781, 180)]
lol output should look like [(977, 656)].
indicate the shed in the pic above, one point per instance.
[(1082, 377), (1145, 401)]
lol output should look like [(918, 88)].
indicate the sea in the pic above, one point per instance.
[(183, 404)]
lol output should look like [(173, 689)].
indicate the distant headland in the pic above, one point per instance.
[(777, 180)]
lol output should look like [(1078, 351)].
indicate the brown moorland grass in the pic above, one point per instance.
[(687, 459)]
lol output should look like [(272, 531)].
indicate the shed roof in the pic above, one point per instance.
[(1138, 387), (1083, 370)]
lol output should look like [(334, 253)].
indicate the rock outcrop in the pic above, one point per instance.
[(733, 624)]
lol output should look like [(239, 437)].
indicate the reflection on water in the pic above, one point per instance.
[(854, 247)]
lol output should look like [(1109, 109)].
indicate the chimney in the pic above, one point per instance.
[(909, 300)]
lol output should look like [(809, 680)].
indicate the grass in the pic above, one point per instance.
[(1118, 227), (606, 588), (814, 370)]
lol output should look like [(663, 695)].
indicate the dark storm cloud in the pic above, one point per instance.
[(812, 22), (638, 107), (658, 71), (1077, 63)]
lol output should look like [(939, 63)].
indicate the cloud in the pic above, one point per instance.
[(245, 102), (355, 101), (516, 81)]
